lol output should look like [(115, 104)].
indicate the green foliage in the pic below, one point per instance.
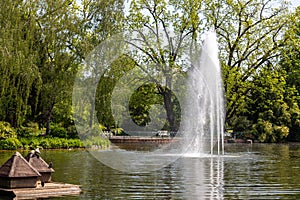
[(30, 129), (117, 131), (166, 31), (241, 124), (50, 143), (105, 89), (96, 142), (43, 43), (272, 106), (264, 131), (57, 131), (30, 142), (290, 61), (6, 131), (72, 132), (10, 144), (249, 34), (18, 56), (141, 102), (268, 132), (290, 58)]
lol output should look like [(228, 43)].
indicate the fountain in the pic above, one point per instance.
[(204, 117)]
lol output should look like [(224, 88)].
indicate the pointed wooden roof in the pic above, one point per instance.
[(16, 167), (38, 163)]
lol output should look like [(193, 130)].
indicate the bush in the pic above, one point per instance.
[(50, 143), (264, 131), (25, 141), (268, 132), (45, 144), (62, 143), (10, 144), (31, 129), (55, 143), (23, 132), (60, 132), (72, 132), (96, 141), (6, 131), (241, 124), (75, 143)]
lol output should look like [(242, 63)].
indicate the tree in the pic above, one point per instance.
[(272, 105), (141, 102), (106, 86), (290, 62), (68, 32), (163, 30), (250, 36), (290, 58), (98, 21), (19, 71), (56, 22)]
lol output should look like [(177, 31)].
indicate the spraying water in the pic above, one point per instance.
[(203, 124)]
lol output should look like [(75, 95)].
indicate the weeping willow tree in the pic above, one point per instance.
[(42, 45), (56, 21), (99, 21), (18, 70)]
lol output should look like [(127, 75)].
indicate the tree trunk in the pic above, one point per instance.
[(48, 121), (91, 118), (167, 94)]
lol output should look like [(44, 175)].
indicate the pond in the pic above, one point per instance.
[(258, 171)]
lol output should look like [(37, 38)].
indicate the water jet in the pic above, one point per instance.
[(204, 117)]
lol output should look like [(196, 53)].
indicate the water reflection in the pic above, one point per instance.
[(203, 177), (258, 172)]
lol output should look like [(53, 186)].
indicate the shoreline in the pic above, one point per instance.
[(147, 140)]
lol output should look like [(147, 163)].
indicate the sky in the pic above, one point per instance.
[(296, 3)]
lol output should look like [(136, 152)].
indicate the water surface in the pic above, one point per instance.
[(258, 171)]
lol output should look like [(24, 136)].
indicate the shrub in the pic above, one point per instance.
[(45, 143), (268, 132), (6, 131), (96, 141), (72, 132), (10, 144), (31, 129), (60, 132), (50, 143), (241, 124), (55, 143), (34, 142), (264, 131), (75, 143)]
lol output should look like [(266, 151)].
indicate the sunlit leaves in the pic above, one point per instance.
[(250, 36)]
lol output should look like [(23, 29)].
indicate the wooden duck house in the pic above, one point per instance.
[(41, 166), (16, 172), (20, 178)]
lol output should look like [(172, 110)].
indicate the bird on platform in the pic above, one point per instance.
[(50, 165), (37, 150)]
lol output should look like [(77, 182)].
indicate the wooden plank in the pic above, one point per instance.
[(52, 189)]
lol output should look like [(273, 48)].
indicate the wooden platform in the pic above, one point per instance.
[(52, 189)]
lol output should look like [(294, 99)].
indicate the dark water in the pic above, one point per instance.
[(260, 171)]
